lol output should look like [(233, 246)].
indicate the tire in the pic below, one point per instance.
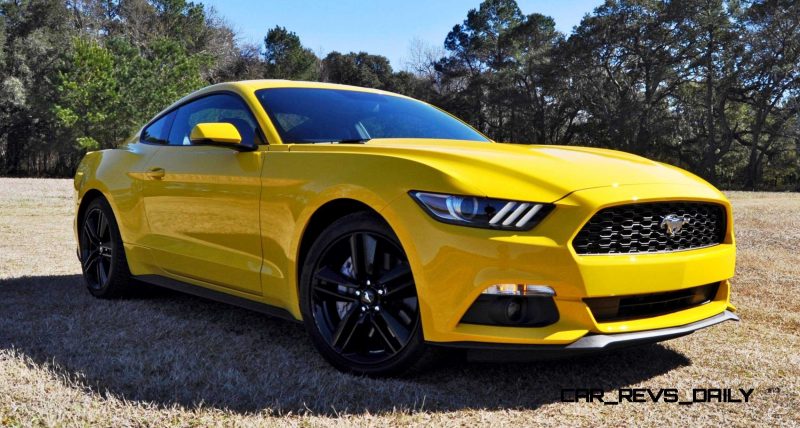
[(102, 254), (363, 317)]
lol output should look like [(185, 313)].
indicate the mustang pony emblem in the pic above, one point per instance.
[(673, 223)]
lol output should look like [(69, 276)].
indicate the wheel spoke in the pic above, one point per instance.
[(334, 293), (90, 231), (91, 259), (397, 328), (102, 273), (385, 335), (397, 272), (370, 250), (357, 255), (402, 290), (346, 328), (329, 275), (102, 225)]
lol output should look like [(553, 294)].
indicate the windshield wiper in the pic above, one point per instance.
[(343, 141), (351, 141)]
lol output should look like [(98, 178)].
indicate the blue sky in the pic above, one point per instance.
[(377, 26)]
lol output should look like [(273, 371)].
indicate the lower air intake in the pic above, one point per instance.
[(620, 308)]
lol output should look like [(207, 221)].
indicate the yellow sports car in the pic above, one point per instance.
[(388, 227)]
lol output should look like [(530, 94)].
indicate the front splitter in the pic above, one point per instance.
[(479, 351)]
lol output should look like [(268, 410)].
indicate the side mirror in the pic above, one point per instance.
[(221, 133)]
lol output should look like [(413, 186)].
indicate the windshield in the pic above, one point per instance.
[(311, 115)]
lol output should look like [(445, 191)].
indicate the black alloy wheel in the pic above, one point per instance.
[(102, 255), (360, 300), (96, 251)]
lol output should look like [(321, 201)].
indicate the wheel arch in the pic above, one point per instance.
[(90, 195), (323, 217), (87, 199)]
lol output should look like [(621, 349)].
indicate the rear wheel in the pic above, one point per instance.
[(359, 300), (102, 255)]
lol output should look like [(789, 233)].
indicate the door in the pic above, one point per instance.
[(202, 201)]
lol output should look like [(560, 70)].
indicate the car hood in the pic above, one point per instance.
[(521, 171)]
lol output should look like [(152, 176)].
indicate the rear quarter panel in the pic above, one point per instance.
[(117, 174)]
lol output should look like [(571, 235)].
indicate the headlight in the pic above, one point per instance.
[(482, 212)]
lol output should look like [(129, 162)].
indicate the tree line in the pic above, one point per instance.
[(709, 85)]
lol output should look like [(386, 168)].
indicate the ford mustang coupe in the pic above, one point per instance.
[(388, 227)]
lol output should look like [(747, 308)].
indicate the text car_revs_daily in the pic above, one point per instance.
[(666, 395)]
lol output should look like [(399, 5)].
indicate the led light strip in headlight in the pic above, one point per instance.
[(518, 209), (481, 212)]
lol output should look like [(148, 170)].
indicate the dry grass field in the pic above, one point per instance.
[(168, 359)]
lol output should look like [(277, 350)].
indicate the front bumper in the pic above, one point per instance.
[(588, 344), (452, 265)]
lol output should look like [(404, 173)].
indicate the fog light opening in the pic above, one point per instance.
[(517, 305)]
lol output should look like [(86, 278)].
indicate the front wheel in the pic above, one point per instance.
[(358, 298)]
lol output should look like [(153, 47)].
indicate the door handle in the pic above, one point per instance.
[(156, 173)]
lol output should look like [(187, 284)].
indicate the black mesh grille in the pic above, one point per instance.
[(608, 309), (636, 228)]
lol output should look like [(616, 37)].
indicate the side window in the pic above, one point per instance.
[(214, 108), (158, 131)]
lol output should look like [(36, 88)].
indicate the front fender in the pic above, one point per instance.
[(297, 183)]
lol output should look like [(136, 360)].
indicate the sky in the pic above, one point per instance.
[(383, 27)]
